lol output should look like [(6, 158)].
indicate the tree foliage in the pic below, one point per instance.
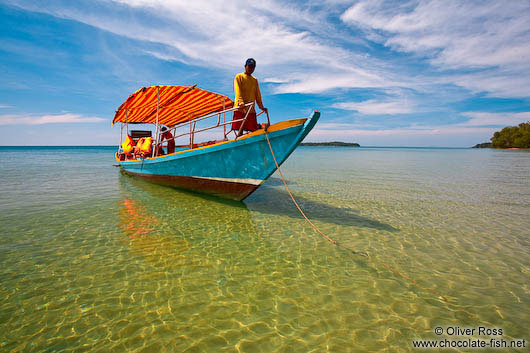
[(512, 137)]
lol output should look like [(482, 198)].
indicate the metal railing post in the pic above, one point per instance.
[(224, 120), (121, 137), (191, 138), (155, 143)]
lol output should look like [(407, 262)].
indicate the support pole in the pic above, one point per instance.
[(191, 137), (224, 119), (156, 129), (121, 136)]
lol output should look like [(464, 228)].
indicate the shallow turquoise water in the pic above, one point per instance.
[(93, 260)]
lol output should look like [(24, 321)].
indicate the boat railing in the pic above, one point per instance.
[(193, 123), (193, 126)]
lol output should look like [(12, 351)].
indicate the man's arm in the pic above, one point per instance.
[(258, 97), (237, 92)]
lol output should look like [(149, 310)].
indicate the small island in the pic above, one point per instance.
[(331, 144), (482, 145), (509, 137)]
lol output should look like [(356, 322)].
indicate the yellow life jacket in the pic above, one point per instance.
[(127, 145), (146, 146)]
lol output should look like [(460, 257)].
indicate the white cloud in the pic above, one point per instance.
[(500, 119), (222, 34), (468, 34), (345, 126), (165, 57), (490, 37), (208, 32), (480, 46), (449, 137), (5, 106), (441, 136), (480, 122), (426, 130), (374, 107), (68, 118), (478, 129), (275, 80), (317, 81), (504, 84)]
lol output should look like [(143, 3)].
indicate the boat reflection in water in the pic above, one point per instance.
[(135, 220), (168, 225), (200, 274)]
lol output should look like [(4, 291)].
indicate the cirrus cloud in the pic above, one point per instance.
[(498, 119), (489, 39), (221, 34), (67, 118), (374, 107)]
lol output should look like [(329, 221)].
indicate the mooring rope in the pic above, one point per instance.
[(334, 242)]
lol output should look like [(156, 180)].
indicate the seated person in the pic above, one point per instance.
[(167, 136)]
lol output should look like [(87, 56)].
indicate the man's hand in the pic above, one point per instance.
[(265, 109)]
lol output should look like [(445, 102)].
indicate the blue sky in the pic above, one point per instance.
[(383, 73)]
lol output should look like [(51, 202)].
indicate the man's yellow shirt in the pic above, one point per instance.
[(246, 88)]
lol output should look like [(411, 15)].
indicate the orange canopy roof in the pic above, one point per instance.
[(177, 104)]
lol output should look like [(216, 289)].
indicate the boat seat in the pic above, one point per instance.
[(136, 134), (202, 144)]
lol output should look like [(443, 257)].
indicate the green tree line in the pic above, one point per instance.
[(512, 137)]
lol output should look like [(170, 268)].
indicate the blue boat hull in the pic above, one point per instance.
[(232, 169)]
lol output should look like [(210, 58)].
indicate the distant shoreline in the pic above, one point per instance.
[(488, 145), (331, 144), (483, 145)]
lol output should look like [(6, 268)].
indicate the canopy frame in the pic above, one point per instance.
[(169, 105)]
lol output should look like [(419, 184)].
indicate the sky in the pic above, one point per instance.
[(443, 73)]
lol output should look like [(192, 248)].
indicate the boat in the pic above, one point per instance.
[(231, 167)]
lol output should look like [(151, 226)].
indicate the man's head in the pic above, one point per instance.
[(250, 65)]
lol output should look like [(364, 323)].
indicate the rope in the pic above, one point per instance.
[(334, 242)]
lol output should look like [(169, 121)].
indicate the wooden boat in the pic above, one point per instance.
[(228, 167)]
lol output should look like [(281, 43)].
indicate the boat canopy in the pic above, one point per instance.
[(176, 104)]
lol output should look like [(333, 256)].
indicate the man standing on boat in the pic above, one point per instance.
[(246, 90)]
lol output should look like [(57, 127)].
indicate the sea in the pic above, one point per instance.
[(93, 260)]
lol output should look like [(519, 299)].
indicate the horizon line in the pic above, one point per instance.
[(360, 146)]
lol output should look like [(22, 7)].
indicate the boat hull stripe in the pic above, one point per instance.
[(234, 190), (233, 180)]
